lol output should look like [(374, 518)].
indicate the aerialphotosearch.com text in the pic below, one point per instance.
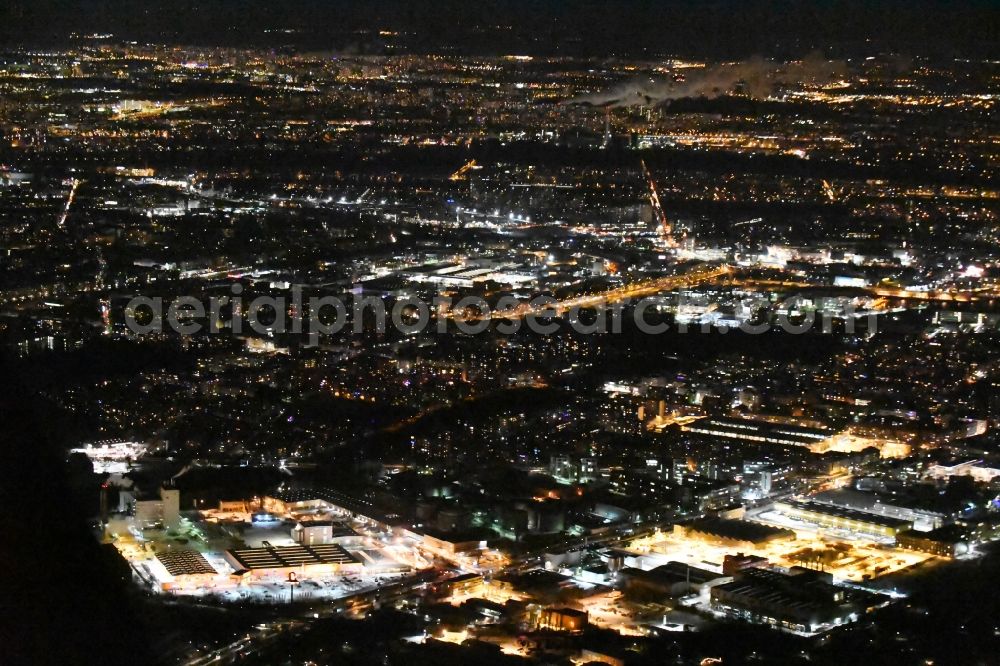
[(318, 316)]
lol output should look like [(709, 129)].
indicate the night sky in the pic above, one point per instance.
[(714, 28)]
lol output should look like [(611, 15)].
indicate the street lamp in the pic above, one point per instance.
[(293, 580)]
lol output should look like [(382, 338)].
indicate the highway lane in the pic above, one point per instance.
[(627, 292)]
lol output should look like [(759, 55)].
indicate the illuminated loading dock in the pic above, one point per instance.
[(320, 558), (835, 517)]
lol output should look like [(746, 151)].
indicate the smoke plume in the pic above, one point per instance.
[(756, 77)]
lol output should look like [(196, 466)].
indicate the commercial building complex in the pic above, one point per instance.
[(833, 517)]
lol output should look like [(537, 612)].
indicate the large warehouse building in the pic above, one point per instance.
[(835, 517), (735, 533), (182, 569), (301, 559), (801, 601)]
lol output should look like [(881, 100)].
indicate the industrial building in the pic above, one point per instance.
[(802, 601), (977, 470), (834, 517), (894, 506), (563, 619), (467, 583), (733, 564), (783, 433), (467, 273), (945, 541), (163, 511), (451, 543), (306, 502), (184, 568), (324, 531), (735, 533), (282, 560), (952, 540), (765, 432), (673, 580)]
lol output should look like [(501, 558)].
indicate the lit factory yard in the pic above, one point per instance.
[(856, 561)]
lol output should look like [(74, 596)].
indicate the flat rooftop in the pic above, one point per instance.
[(184, 563), (871, 501), (797, 592), (762, 431), (337, 529), (283, 557), (847, 514), (333, 497), (739, 530), (675, 572)]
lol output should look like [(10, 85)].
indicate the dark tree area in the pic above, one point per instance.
[(64, 595)]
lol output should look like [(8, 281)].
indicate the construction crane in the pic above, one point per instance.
[(654, 201)]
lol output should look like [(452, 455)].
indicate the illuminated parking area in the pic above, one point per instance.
[(111, 456), (176, 575), (857, 561)]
